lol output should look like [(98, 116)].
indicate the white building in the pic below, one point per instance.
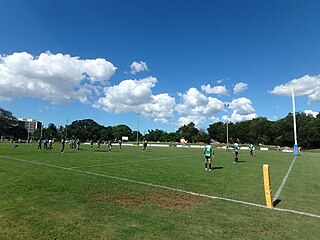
[(29, 124)]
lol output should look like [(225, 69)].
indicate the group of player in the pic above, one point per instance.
[(109, 144), (208, 153), (47, 144)]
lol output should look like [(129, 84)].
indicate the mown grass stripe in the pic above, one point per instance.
[(164, 187), (276, 196)]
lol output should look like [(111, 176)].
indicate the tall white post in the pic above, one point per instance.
[(28, 132), (138, 114), (227, 132), (295, 146), (227, 105)]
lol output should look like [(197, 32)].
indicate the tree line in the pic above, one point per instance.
[(255, 131)]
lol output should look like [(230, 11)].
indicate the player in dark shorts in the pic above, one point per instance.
[(145, 144), (235, 152), (208, 153)]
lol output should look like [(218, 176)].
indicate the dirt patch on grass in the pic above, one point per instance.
[(161, 198)]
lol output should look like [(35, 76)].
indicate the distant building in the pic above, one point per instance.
[(29, 124)]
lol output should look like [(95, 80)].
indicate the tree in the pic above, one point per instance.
[(202, 136), (84, 130), (7, 120), (18, 132), (51, 131), (106, 133), (188, 132), (259, 131), (155, 135), (218, 131), (121, 130), (172, 137), (133, 137)]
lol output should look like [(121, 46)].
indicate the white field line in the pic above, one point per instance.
[(276, 196), (123, 162), (164, 187)]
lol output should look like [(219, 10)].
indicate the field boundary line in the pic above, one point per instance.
[(164, 187), (276, 196), (123, 162)]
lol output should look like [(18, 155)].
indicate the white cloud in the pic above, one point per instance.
[(54, 77), (219, 90), (308, 86), (193, 98), (136, 96), (128, 95), (196, 107), (242, 110), (240, 87), (138, 67), (242, 106), (235, 117), (160, 108), (197, 120), (310, 112), (219, 81), (226, 118)]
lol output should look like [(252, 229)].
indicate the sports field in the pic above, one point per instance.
[(162, 193)]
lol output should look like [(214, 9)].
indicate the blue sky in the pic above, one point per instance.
[(172, 61)]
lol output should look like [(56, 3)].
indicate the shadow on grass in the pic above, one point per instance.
[(240, 161), (213, 168), (276, 202)]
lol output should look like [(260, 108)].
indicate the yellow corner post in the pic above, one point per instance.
[(267, 186)]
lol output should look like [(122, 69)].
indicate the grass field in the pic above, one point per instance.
[(162, 193)]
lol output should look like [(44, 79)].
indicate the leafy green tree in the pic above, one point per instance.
[(121, 130), (133, 137), (202, 136), (37, 134), (7, 120), (106, 133), (51, 131), (188, 132), (218, 131), (173, 137), (18, 132), (155, 135), (259, 131), (86, 129)]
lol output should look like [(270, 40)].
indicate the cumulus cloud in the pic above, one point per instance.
[(160, 108), (235, 117), (240, 87), (60, 78), (196, 107), (197, 120), (219, 90), (138, 67), (57, 78), (308, 86), (310, 112), (242, 110), (136, 96)]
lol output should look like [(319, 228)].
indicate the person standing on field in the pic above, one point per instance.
[(208, 153), (62, 145), (109, 145), (39, 144), (145, 144), (251, 148), (235, 152)]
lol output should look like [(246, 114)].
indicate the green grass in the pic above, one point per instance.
[(95, 194)]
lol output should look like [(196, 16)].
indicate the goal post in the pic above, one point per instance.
[(267, 186)]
